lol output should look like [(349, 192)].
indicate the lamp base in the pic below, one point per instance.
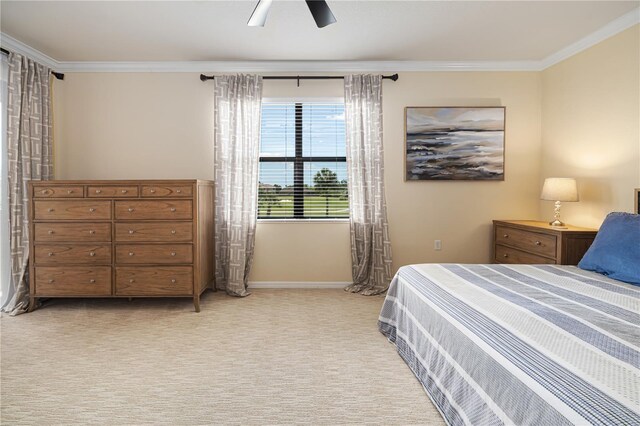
[(557, 223)]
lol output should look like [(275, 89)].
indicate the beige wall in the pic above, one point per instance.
[(578, 118), (132, 126), (158, 125), (591, 127)]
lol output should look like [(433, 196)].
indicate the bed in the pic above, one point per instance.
[(519, 344)]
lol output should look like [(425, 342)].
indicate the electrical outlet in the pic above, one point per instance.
[(437, 244)]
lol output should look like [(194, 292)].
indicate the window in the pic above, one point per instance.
[(303, 164)]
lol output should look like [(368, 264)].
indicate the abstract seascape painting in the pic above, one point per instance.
[(454, 143)]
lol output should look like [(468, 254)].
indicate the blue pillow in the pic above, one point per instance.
[(615, 252)]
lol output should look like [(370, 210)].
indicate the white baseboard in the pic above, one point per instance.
[(299, 284)]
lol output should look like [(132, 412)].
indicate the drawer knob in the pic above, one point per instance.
[(131, 231), (51, 281), (91, 209), (92, 281), (44, 191), (538, 243), (70, 191), (49, 209), (131, 209), (124, 191), (132, 280), (153, 191), (91, 231), (178, 191), (505, 255), (173, 280), (173, 231), (92, 254), (98, 191), (50, 232), (173, 209), (173, 253), (50, 254), (131, 253), (506, 235)]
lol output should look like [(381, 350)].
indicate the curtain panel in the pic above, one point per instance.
[(29, 145), (238, 100), (370, 243)]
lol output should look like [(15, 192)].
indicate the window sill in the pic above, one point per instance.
[(334, 220)]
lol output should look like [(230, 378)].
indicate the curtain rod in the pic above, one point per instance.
[(393, 77), (58, 75)]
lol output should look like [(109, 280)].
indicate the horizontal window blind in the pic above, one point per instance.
[(303, 168)]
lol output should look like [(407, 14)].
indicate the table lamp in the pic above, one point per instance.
[(559, 189)]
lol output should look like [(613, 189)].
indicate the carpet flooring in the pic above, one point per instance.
[(275, 357)]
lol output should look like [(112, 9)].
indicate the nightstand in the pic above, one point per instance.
[(535, 242)]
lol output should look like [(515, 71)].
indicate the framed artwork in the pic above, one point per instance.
[(454, 143), (637, 201)]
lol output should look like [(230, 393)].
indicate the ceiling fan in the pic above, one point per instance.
[(318, 8)]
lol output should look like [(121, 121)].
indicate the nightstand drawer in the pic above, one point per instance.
[(511, 255), (533, 242)]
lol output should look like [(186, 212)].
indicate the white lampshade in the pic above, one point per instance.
[(559, 189)]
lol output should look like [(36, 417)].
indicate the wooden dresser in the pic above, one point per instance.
[(533, 242), (149, 238)]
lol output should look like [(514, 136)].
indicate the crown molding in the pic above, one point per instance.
[(614, 27), (17, 46), (297, 66)]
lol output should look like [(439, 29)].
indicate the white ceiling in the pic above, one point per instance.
[(365, 31)]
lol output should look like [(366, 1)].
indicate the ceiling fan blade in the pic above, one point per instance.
[(259, 15), (321, 12)]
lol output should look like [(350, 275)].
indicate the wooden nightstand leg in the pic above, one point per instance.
[(32, 303)]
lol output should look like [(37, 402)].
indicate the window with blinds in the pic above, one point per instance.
[(303, 165)]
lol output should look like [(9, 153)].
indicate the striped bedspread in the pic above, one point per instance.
[(519, 344)]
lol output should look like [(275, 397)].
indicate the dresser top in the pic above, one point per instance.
[(528, 224), (122, 182)]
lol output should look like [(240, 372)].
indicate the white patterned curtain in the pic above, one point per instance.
[(238, 100), (370, 244), (29, 158)]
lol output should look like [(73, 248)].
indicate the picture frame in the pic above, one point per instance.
[(454, 143), (637, 201)]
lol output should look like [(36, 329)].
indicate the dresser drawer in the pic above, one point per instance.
[(154, 281), (73, 281), (167, 190), (72, 253), (72, 210), (88, 232), (154, 231), (157, 209), (58, 191), (540, 244), (111, 191), (154, 253), (510, 255)]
